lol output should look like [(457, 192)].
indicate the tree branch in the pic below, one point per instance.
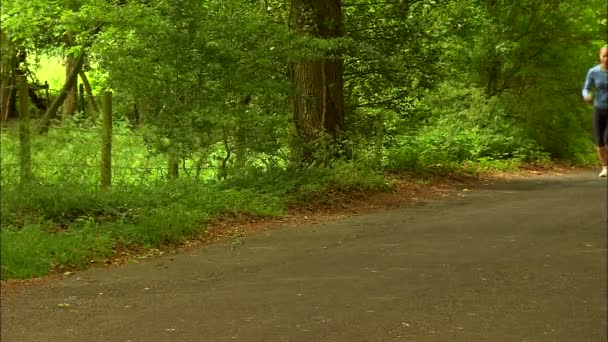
[(69, 83), (87, 88)]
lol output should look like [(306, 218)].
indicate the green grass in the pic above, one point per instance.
[(48, 228), (71, 154), (30, 251), (63, 221)]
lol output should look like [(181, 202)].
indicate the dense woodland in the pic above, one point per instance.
[(247, 106)]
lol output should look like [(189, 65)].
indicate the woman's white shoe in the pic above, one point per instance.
[(604, 172)]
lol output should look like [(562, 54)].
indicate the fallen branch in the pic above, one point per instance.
[(69, 83), (87, 88)]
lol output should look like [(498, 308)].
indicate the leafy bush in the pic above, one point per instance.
[(463, 126)]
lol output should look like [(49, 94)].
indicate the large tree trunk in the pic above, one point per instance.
[(71, 101), (11, 58), (4, 102), (317, 102), (5, 75), (5, 83)]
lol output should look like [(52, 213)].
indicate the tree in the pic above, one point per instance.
[(529, 57), (211, 77), (318, 84), (35, 27), (8, 67)]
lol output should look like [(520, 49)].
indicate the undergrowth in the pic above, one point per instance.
[(47, 228), (61, 220)]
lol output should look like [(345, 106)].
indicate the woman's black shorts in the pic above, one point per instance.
[(600, 126)]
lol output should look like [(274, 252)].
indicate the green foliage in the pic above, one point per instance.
[(471, 128), (71, 154), (429, 85), (67, 225), (30, 251), (395, 54), (533, 65), (313, 183), (193, 78)]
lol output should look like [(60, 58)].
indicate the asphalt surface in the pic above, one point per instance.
[(518, 261)]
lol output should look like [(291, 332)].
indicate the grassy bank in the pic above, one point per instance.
[(47, 228), (63, 221)]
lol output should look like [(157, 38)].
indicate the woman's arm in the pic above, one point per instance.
[(589, 84)]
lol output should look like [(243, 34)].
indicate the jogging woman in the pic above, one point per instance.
[(597, 78)]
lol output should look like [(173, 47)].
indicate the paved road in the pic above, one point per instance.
[(517, 261)]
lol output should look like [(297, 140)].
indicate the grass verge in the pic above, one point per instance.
[(55, 228)]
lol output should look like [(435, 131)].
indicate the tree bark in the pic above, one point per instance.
[(7, 76), (81, 98), (25, 152), (140, 110), (71, 101), (318, 84), (5, 96), (173, 166), (106, 142)]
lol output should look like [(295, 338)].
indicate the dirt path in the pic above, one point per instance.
[(523, 260)]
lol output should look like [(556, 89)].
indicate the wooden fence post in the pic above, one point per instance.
[(106, 141), (25, 153)]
